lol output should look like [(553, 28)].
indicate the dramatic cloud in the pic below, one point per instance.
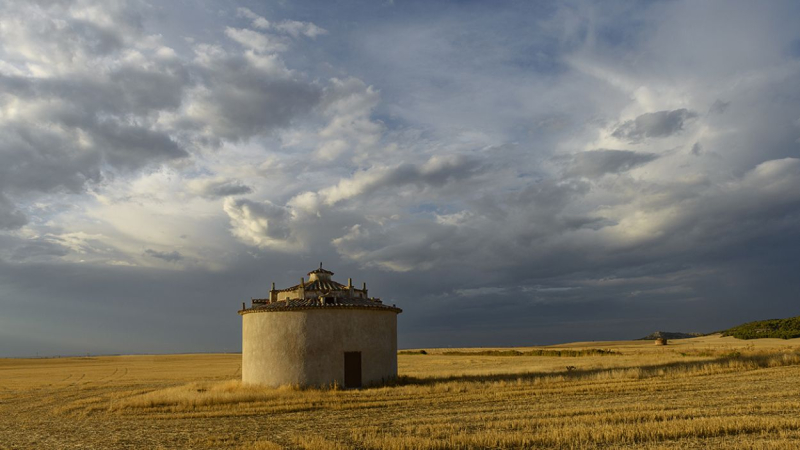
[(254, 40), (653, 125), (546, 173), (39, 249), (435, 173), (293, 28), (348, 105), (10, 217), (597, 163), (215, 188), (261, 223), (172, 256), (246, 94), (47, 38)]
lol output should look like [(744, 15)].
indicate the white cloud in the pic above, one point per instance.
[(258, 21), (48, 39), (263, 224), (254, 40), (350, 131), (296, 29), (293, 28)]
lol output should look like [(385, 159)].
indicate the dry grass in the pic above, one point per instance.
[(697, 393)]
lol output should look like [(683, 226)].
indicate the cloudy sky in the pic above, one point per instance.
[(508, 173)]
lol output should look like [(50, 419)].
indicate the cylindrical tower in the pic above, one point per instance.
[(319, 333)]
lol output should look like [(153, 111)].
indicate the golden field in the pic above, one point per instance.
[(708, 392)]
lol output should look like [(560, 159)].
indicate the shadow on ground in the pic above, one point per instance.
[(730, 361)]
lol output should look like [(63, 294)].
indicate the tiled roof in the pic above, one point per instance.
[(318, 285), (314, 303)]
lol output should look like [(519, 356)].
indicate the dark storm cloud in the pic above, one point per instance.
[(173, 256), (416, 246), (497, 229), (535, 237), (549, 195), (130, 146), (763, 201), (74, 125), (243, 97), (596, 163), (142, 91), (99, 106), (724, 219), (242, 108), (38, 249), (437, 172), (125, 90), (653, 125), (10, 217), (39, 158), (74, 308), (719, 107), (240, 96), (313, 220), (223, 188), (70, 128)]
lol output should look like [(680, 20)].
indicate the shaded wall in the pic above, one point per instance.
[(306, 347)]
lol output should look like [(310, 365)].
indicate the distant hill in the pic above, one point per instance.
[(774, 328), (669, 335)]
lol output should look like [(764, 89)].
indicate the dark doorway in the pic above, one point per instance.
[(352, 369)]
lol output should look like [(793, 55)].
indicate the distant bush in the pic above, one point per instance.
[(412, 352), (557, 353), (774, 328)]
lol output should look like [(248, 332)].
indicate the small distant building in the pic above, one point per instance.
[(319, 333), (661, 341)]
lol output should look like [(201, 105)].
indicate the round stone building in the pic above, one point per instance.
[(319, 333)]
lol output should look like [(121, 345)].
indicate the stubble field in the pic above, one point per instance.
[(697, 393)]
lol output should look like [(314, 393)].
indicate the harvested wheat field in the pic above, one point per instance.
[(695, 393)]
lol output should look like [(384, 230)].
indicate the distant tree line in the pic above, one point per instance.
[(773, 328)]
